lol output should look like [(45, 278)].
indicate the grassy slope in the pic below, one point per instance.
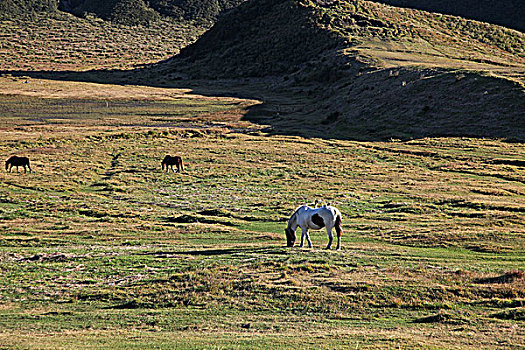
[(61, 42), (99, 248)]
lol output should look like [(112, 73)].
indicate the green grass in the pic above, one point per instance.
[(101, 249)]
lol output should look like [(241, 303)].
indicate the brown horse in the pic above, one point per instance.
[(170, 161), (17, 161)]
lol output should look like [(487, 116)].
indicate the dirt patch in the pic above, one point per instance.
[(188, 219), (443, 317), (42, 257)]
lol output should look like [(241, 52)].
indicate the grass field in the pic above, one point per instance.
[(101, 249)]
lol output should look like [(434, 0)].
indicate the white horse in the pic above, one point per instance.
[(306, 217)]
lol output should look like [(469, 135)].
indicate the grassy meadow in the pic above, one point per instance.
[(101, 249)]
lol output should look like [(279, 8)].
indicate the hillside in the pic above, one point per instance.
[(371, 70), (59, 41)]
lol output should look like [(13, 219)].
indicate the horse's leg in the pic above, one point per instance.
[(303, 233), (330, 237), (308, 239), (307, 235)]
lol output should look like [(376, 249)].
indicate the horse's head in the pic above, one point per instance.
[(290, 237)]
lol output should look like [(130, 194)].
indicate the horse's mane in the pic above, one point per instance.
[(294, 214)]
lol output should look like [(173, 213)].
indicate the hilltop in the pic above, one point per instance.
[(370, 70), (507, 13)]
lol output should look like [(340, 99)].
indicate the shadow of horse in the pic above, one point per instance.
[(220, 252), (15, 161)]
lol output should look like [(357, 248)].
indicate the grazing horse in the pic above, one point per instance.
[(306, 217), (170, 161), (17, 161)]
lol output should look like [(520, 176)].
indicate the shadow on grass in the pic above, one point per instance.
[(221, 251), (378, 106)]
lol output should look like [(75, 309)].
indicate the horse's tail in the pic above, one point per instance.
[(181, 165), (338, 223), (7, 164)]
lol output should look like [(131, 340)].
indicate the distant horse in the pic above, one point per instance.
[(17, 161), (170, 161), (306, 217)]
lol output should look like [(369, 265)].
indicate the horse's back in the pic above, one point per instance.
[(15, 160), (171, 160)]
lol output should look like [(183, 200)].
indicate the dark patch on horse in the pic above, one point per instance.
[(17, 161), (317, 220)]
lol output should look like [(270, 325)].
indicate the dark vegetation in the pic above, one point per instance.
[(10, 8), (128, 12), (274, 37)]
